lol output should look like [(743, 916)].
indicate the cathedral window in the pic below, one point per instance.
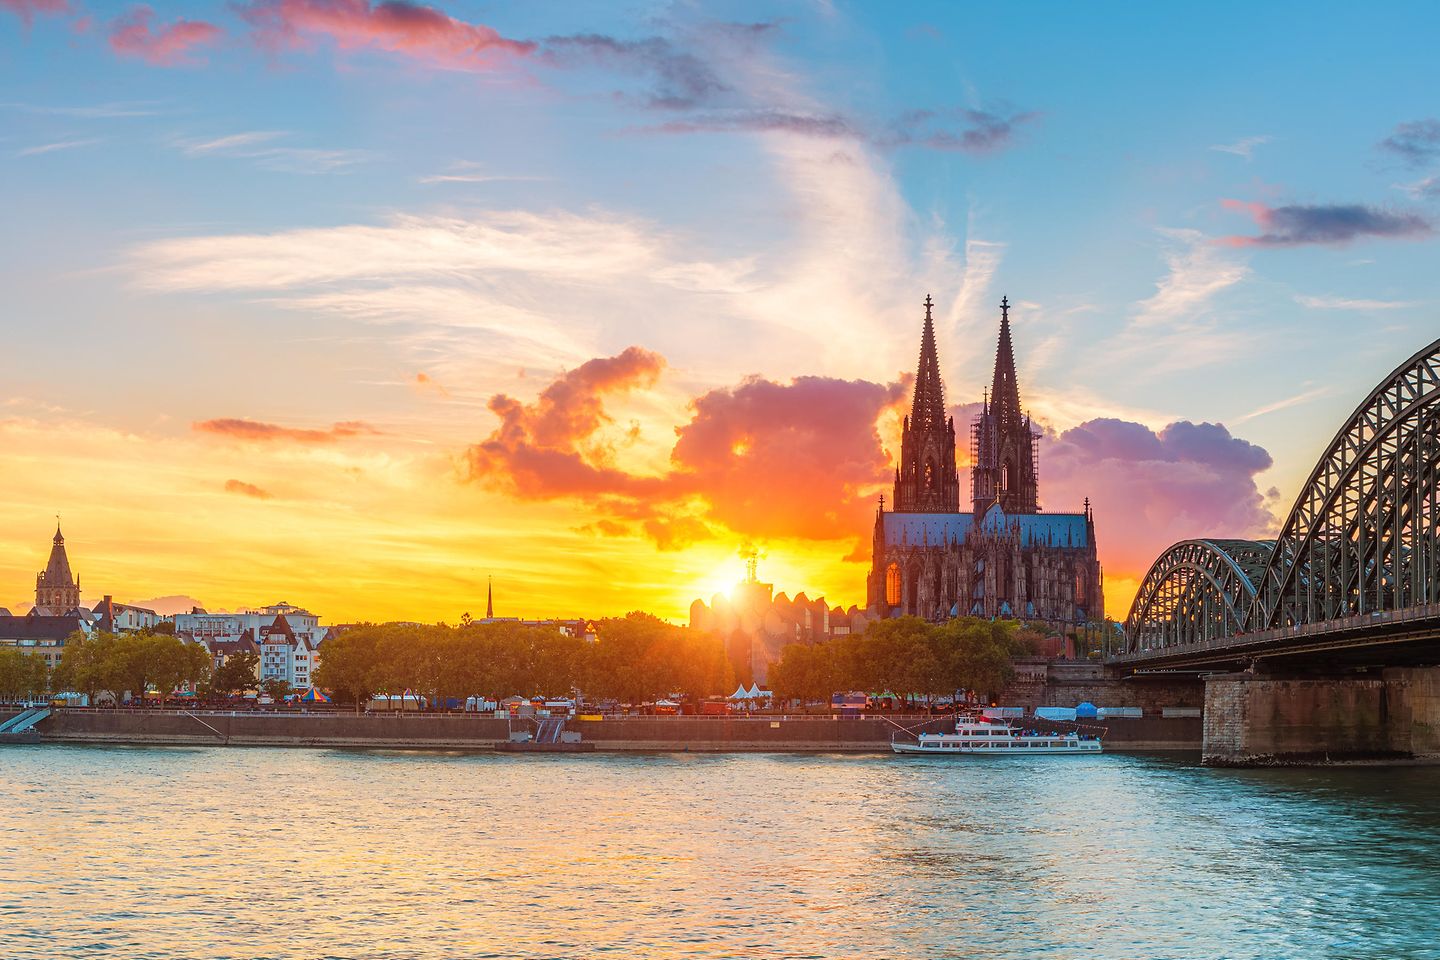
[(892, 585), (929, 475)]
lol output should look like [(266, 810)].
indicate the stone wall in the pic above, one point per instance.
[(1066, 683), (1257, 720)]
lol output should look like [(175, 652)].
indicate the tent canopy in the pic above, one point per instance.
[(314, 695)]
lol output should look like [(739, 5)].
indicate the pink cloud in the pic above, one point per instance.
[(131, 35), (411, 30), (27, 9), (256, 431), (1151, 489)]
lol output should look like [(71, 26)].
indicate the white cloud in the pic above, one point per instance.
[(57, 145), (1346, 303), (1244, 147)]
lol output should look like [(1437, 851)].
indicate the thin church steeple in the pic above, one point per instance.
[(1004, 443), (926, 480), (489, 598)]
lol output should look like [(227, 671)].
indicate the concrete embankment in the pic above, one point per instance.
[(410, 731)]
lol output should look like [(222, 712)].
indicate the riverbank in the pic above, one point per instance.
[(785, 734)]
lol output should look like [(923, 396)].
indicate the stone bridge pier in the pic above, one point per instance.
[(1260, 719)]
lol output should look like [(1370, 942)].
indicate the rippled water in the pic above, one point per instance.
[(295, 853)]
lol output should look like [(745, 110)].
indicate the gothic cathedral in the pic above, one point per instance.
[(1002, 557)]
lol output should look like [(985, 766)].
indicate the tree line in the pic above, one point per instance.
[(117, 662), (636, 658), (907, 656)]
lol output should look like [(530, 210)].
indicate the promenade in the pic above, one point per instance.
[(778, 733)]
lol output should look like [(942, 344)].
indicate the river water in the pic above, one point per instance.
[(248, 853)]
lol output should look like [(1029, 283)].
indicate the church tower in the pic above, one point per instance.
[(926, 481), (56, 589), (1002, 443)]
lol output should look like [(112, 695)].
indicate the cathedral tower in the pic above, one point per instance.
[(926, 481), (56, 589), (1002, 442)]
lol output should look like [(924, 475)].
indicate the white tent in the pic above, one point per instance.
[(754, 693), (740, 693)]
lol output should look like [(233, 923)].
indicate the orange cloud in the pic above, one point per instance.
[(131, 35), (423, 383), (257, 432), (538, 451), (412, 30), (762, 459), (247, 490)]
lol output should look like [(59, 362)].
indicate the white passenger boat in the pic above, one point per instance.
[(996, 738)]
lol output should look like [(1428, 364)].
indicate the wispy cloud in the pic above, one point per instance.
[(466, 171), (259, 146), (1416, 142), (1334, 224), (57, 145), (1295, 400), (1196, 272), (258, 432), (1346, 303), (1244, 147), (99, 111), (232, 142), (1426, 188)]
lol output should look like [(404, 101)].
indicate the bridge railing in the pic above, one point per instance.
[(1278, 636)]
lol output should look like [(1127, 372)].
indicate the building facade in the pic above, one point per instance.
[(1000, 557), (286, 654)]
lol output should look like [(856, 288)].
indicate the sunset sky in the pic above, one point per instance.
[(354, 305)]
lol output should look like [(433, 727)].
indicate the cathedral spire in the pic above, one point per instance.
[(926, 480), (1004, 390), (928, 409), (1003, 471), (489, 598)]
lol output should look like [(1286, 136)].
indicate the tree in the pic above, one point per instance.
[(239, 672), (277, 689), (348, 666), (87, 664)]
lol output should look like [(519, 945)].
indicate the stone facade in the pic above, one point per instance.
[(1001, 558), (1262, 720)]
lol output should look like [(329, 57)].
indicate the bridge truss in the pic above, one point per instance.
[(1363, 538)]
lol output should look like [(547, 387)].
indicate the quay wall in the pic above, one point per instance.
[(1066, 683), (411, 731)]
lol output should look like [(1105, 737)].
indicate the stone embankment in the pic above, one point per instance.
[(465, 732)]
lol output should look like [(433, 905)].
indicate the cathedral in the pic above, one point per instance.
[(1001, 556)]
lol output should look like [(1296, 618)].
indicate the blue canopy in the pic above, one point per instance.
[(1086, 710)]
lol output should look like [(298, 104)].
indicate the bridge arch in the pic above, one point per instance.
[(1196, 590), (1361, 536)]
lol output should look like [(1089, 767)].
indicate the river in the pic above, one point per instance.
[(250, 853)]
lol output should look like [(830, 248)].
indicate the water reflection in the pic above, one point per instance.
[(271, 853)]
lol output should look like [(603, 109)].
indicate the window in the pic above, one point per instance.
[(929, 475), (892, 585)]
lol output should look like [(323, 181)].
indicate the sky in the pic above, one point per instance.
[(357, 305)]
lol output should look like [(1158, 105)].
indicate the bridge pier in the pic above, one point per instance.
[(1262, 719)]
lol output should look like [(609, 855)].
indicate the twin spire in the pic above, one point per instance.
[(1004, 397)]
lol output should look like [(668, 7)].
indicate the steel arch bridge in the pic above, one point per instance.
[(1362, 541)]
